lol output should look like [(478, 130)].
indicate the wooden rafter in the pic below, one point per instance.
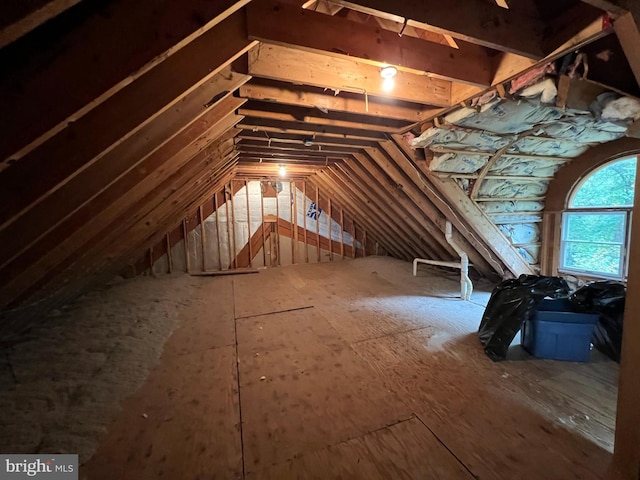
[(368, 44)]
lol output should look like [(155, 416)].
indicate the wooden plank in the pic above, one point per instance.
[(103, 208), (102, 228), (185, 239), (342, 233), (304, 221), (468, 21), (21, 18), (249, 243), (341, 37), (287, 64), (426, 232), (343, 102), (290, 113), (235, 271), (407, 230), (404, 450), (356, 201), (83, 141), (147, 38), (626, 28), (401, 170)]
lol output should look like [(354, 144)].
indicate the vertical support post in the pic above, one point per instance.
[(342, 233), (364, 242), (354, 253), (151, 271), (226, 209), (215, 209), (185, 239), (169, 257), (233, 227), (293, 243), (264, 230), (318, 222), (329, 229), (246, 190), (202, 238), (304, 221), (279, 250), (294, 222)]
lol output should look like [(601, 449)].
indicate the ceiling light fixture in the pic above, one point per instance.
[(388, 73), (283, 171)]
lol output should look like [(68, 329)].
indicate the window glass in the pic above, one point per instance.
[(610, 186), (594, 242), (595, 229)]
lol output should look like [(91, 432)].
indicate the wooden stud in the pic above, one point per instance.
[(304, 221), (364, 241), (246, 188), (169, 256), (202, 238), (293, 227), (217, 213), (279, 250), (342, 233), (151, 270), (294, 216), (318, 223), (233, 226), (355, 233), (185, 239), (329, 230), (264, 229), (226, 209)]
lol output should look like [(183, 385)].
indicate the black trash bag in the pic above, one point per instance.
[(513, 302), (606, 299)]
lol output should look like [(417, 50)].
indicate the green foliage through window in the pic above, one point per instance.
[(596, 232)]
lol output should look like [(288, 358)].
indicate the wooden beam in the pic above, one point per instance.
[(106, 215), (112, 122), (401, 170), (341, 74), (327, 102), (368, 212), (308, 129), (115, 239), (291, 113), (96, 188), (19, 18), (356, 207), (473, 21), (626, 28), (341, 37), (410, 239), (41, 98), (427, 232)]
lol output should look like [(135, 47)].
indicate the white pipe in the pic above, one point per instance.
[(466, 286)]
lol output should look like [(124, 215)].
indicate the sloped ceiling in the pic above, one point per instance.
[(120, 117)]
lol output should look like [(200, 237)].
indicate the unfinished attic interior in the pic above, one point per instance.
[(257, 239)]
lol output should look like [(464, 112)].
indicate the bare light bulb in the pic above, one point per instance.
[(388, 84), (283, 171)]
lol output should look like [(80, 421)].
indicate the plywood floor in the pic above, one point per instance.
[(350, 370)]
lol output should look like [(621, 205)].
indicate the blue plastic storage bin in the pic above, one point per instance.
[(557, 333)]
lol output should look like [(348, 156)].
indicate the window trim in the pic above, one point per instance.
[(570, 209)]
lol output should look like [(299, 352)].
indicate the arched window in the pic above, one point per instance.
[(595, 226)]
